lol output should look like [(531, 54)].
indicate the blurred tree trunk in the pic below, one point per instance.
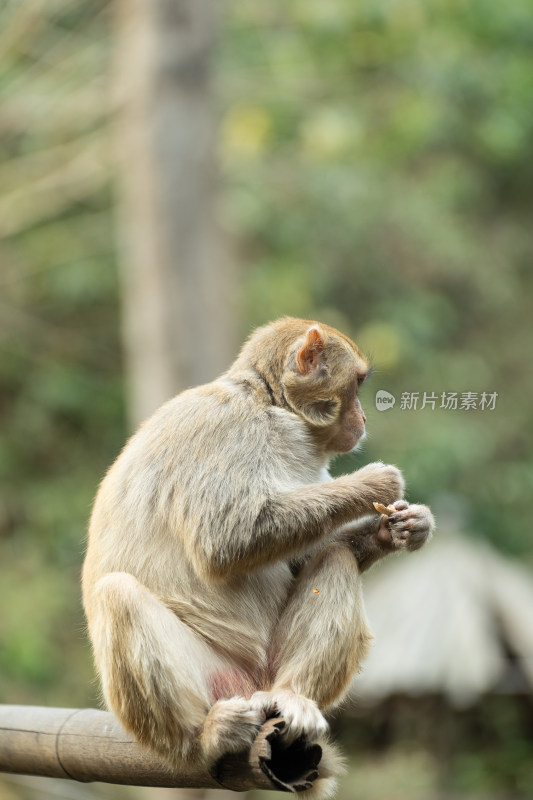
[(175, 287)]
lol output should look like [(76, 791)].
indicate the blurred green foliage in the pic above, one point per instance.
[(376, 174), (61, 396)]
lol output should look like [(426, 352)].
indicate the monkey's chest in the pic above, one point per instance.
[(254, 602), (246, 631)]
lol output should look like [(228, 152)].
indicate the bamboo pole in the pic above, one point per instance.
[(90, 745)]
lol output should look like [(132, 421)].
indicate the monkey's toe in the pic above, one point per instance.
[(230, 726), (302, 715)]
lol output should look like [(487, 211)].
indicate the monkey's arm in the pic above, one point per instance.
[(289, 523), (362, 536), (374, 537)]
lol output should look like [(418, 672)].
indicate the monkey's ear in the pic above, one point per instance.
[(309, 356)]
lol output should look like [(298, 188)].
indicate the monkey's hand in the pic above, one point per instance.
[(382, 482), (407, 528)]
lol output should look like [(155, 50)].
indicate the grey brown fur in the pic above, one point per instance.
[(210, 533)]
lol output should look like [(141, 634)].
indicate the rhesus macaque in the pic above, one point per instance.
[(209, 535)]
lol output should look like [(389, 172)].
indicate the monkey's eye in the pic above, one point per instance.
[(361, 379)]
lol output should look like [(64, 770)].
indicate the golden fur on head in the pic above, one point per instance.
[(309, 368)]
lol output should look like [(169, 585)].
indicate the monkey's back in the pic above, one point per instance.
[(195, 475)]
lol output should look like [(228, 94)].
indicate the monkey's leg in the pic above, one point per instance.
[(320, 640), (156, 672)]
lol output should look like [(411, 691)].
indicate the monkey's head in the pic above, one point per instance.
[(316, 371)]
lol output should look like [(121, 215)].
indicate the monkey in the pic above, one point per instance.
[(222, 577)]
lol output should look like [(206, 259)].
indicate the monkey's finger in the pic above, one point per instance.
[(411, 519), (402, 513), (418, 538), (400, 505), (400, 539), (409, 524), (418, 524), (386, 522)]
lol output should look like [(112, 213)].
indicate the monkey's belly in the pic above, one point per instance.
[(238, 620)]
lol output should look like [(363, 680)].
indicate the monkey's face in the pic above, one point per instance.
[(322, 379), (349, 429)]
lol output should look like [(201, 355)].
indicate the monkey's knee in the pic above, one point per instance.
[(116, 582), (115, 609), (110, 608), (115, 591)]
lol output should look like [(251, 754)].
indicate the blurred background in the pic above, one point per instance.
[(174, 173)]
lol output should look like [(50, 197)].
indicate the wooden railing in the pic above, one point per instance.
[(90, 745)]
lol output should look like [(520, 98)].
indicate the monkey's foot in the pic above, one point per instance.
[(302, 716), (408, 527), (230, 726)]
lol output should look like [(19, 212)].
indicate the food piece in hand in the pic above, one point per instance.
[(381, 509)]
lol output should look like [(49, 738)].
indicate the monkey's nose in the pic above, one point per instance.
[(364, 418)]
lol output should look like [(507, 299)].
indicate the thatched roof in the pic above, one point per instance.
[(455, 618)]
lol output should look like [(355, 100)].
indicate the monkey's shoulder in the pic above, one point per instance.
[(219, 434), (222, 415)]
